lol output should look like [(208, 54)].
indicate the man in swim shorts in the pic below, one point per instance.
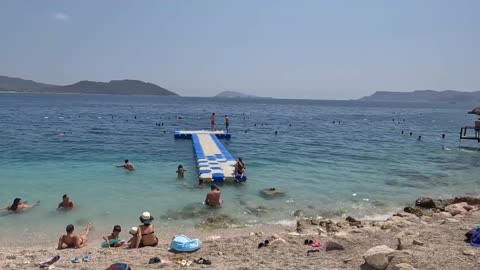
[(213, 197), (66, 203), (71, 240), (227, 123), (212, 122), (127, 165)]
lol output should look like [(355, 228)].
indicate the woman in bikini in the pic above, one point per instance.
[(17, 206), (146, 232)]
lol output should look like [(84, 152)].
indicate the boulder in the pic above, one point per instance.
[(417, 242), (425, 202), (298, 213), (415, 211), (445, 214), (403, 266), (351, 219), (331, 245), (468, 200), (469, 207), (456, 209), (378, 257), (272, 193)]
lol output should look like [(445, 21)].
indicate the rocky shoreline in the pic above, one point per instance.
[(428, 235)]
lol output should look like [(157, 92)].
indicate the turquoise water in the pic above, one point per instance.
[(362, 166)]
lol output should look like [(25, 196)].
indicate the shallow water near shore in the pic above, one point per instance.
[(361, 166)]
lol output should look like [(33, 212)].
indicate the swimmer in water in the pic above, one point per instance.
[(17, 206), (66, 203), (180, 171), (127, 165)]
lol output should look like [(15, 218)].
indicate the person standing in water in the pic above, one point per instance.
[(66, 203), (227, 123), (212, 122), (127, 165)]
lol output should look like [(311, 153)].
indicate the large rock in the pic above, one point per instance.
[(415, 211), (456, 209), (425, 202), (331, 245), (378, 257), (272, 193), (468, 200)]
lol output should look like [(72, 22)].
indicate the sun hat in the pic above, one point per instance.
[(133, 230), (146, 217)]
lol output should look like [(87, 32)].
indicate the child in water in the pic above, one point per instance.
[(113, 240), (180, 171)]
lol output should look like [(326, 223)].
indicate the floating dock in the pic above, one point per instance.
[(214, 162), (475, 136)]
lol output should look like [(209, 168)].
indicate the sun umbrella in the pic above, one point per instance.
[(475, 111)]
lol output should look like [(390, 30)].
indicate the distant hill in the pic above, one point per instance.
[(233, 94), (425, 96), (17, 84), (116, 87)]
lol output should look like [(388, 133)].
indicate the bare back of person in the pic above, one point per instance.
[(213, 198), (148, 236)]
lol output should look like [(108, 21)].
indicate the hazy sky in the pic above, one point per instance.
[(334, 49)]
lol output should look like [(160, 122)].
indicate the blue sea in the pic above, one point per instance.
[(332, 158)]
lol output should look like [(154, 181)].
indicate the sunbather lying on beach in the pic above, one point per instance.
[(71, 240), (17, 206)]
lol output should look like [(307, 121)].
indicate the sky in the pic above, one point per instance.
[(286, 49)]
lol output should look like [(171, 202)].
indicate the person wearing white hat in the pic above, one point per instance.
[(146, 232), (133, 240)]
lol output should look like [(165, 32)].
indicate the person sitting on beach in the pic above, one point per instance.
[(17, 206), (240, 168), (127, 165), (180, 171), (146, 232), (113, 240), (132, 242), (213, 197), (66, 203), (71, 240)]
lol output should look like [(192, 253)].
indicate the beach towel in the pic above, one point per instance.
[(182, 243)]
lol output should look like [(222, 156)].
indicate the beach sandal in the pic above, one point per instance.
[(85, 258), (308, 242), (312, 251), (263, 244), (203, 261), (75, 260), (316, 244), (154, 260)]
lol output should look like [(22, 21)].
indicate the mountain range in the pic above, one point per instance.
[(114, 87), (451, 96)]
